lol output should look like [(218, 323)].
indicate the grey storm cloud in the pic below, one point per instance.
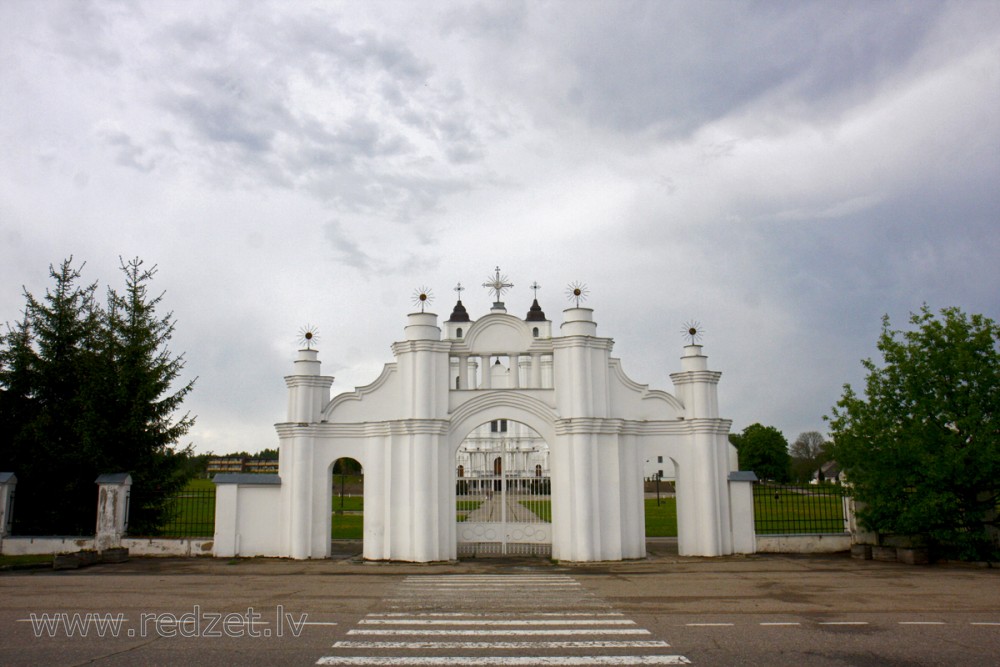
[(681, 65), (783, 172)]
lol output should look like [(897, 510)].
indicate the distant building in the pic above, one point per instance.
[(828, 472), (223, 464)]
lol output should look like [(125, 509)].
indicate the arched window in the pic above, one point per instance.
[(497, 466), (534, 332), (458, 332), (538, 470), (461, 471)]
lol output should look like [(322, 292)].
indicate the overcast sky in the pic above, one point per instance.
[(782, 173)]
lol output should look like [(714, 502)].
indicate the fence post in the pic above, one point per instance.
[(112, 509), (8, 481), (741, 511)]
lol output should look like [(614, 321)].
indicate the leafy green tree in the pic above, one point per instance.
[(808, 454), (922, 446), (764, 450), (86, 390)]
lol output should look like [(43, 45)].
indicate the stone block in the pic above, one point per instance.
[(887, 554), (65, 562), (115, 555), (861, 551), (915, 556), (88, 557)]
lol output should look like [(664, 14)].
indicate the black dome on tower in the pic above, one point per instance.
[(459, 313), (535, 313)]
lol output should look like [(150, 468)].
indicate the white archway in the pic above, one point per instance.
[(406, 427)]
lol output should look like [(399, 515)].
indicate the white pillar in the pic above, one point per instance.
[(8, 481), (707, 466), (299, 494), (463, 371), (485, 379), (741, 511), (112, 510)]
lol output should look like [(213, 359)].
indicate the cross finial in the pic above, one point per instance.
[(498, 284), (534, 287), (458, 288)]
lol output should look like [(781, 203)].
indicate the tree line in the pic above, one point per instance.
[(764, 450)]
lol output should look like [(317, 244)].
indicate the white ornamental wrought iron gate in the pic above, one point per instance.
[(504, 504)]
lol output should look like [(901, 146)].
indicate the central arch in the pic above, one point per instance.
[(503, 492)]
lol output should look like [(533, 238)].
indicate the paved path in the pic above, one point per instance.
[(492, 511)]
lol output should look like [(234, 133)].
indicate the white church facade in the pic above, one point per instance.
[(536, 429)]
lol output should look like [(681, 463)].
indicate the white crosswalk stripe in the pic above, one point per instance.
[(498, 620)]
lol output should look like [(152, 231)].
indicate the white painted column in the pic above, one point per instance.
[(706, 468), (299, 493), (112, 510), (423, 523), (741, 511), (536, 371), (485, 379), (226, 538), (8, 481), (514, 372), (463, 371)]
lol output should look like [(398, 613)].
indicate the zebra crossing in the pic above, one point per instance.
[(530, 619)]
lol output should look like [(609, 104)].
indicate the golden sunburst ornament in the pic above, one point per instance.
[(692, 329), (308, 335), (422, 296), (577, 292)]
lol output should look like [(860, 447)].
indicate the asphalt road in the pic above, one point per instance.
[(759, 610)]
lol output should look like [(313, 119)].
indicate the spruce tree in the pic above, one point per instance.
[(52, 359), (142, 404)]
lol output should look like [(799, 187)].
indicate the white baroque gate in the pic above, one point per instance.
[(449, 378), (503, 492)]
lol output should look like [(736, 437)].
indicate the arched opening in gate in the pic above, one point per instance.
[(503, 491), (347, 483)]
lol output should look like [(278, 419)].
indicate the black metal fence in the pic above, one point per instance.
[(789, 510), (191, 514)]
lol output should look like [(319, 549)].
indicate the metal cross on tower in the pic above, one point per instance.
[(499, 285)]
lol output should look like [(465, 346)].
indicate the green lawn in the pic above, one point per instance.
[(661, 520), (348, 503), (347, 526), (465, 507), (31, 559), (540, 508)]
